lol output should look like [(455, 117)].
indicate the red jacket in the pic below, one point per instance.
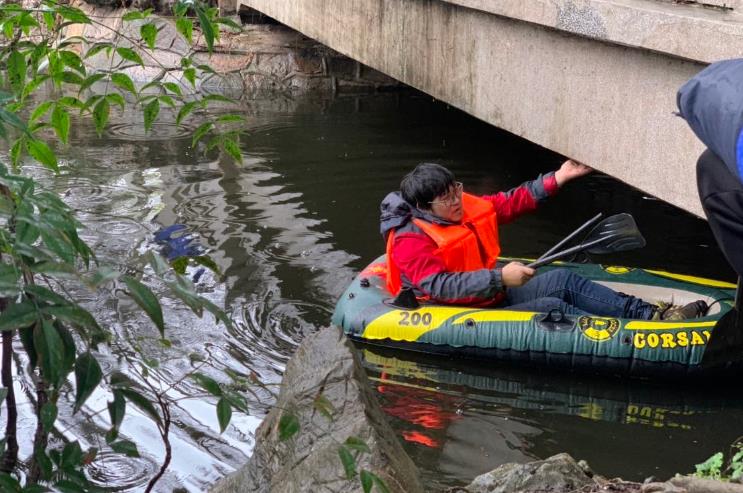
[(423, 270)]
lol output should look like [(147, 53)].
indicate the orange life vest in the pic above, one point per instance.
[(470, 245)]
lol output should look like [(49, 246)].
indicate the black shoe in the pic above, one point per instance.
[(667, 312)]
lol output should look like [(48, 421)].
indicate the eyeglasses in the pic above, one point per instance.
[(450, 201)]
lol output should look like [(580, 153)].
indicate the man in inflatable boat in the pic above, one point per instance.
[(443, 244)]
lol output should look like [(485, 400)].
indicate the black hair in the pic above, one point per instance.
[(426, 182)]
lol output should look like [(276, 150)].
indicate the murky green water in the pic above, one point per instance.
[(295, 223)]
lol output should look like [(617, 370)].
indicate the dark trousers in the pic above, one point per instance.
[(572, 294)]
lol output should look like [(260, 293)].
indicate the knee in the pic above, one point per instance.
[(551, 303)]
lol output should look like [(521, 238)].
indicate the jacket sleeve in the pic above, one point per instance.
[(413, 253), (524, 198)]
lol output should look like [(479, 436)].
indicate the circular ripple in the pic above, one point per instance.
[(117, 472), (270, 331), (159, 131), (86, 196)]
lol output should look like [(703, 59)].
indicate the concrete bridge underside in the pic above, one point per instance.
[(594, 80)]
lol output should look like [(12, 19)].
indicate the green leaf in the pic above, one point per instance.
[(135, 15), (16, 151), (379, 483), (48, 415), (230, 118), (16, 66), (323, 405), (61, 123), (48, 20), (149, 34), (27, 339), (42, 153), (97, 48), (101, 276), (207, 28), (129, 54), (87, 377), (151, 110), (71, 101), (100, 115), (18, 315), (72, 455), (229, 23), (116, 98), (142, 295), (231, 148), (71, 78), (69, 351), (125, 447), (167, 100), (142, 403), (44, 463), (208, 384), (157, 262), (72, 60), (185, 28), (207, 262), (288, 426), (224, 414), (202, 130), (57, 242), (190, 75), (41, 110), (90, 80), (366, 481), (179, 265), (185, 110), (356, 443), (9, 483), (349, 463), (237, 401), (49, 348), (173, 87), (711, 467), (124, 81), (73, 14), (117, 409), (217, 98)]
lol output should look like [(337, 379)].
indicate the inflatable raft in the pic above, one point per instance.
[(703, 346)]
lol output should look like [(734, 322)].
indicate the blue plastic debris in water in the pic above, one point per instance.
[(176, 242)]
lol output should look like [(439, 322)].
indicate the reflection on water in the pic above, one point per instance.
[(459, 420), (290, 228)]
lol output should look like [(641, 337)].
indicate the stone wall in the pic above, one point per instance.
[(262, 61)]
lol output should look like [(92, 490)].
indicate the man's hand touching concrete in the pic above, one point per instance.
[(571, 170)]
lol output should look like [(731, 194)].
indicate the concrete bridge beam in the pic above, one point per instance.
[(594, 80)]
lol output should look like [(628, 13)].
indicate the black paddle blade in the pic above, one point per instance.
[(617, 233)]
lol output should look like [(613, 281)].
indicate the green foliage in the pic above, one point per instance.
[(288, 426), (721, 468), (40, 248)]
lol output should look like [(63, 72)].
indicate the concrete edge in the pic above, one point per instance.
[(687, 31)]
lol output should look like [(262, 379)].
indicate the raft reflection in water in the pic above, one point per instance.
[(458, 419)]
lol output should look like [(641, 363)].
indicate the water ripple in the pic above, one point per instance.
[(117, 472), (159, 131)]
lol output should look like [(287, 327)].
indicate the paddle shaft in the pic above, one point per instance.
[(570, 251), (571, 236)]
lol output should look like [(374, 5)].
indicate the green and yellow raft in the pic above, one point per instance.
[(711, 345)]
